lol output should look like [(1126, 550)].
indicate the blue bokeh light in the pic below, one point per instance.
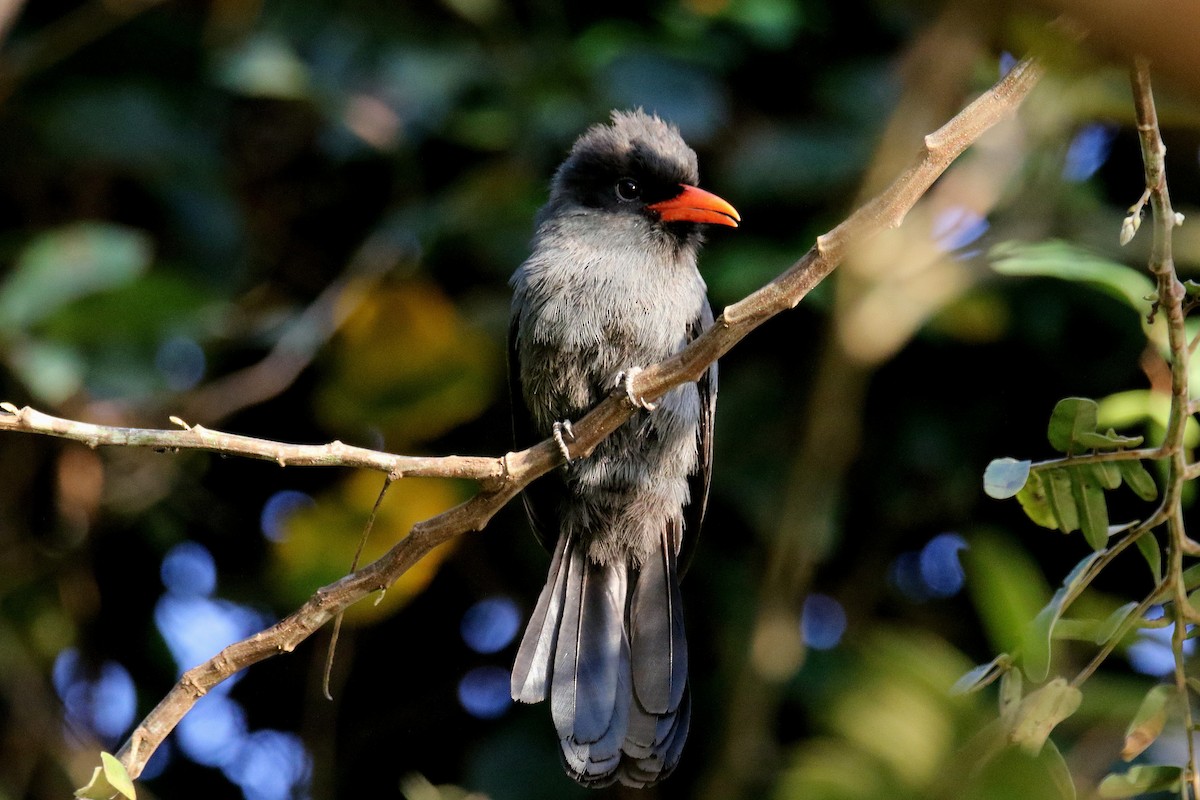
[(103, 703), (212, 732), (181, 362), (934, 571), (159, 761), (1007, 62), (822, 622), (484, 692), (188, 570), (941, 570), (265, 764), (270, 765), (1150, 653), (197, 628), (1088, 151), (278, 510), (956, 227), (491, 624)]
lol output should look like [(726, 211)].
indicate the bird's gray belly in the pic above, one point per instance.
[(635, 483)]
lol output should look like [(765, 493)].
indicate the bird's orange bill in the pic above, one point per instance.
[(696, 205)]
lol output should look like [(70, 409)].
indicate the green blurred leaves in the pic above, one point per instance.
[(1040, 711), (1139, 780), (67, 263)]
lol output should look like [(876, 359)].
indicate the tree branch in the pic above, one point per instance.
[(502, 478)]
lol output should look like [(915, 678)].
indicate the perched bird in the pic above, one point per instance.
[(612, 285)]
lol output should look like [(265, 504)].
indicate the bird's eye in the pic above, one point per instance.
[(628, 189)]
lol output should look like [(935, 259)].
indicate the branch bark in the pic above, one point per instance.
[(502, 478)]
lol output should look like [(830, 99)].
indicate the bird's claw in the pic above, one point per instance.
[(625, 381), (563, 433)]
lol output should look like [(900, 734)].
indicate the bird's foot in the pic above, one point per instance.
[(625, 380), (563, 434)]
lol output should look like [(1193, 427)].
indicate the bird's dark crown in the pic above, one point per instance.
[(623, 167)]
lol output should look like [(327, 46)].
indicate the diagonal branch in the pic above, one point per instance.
[(502, 478)]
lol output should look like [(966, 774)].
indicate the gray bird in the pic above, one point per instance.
[(612, 285)]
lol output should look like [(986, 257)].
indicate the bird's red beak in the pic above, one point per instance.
[(696, 205)]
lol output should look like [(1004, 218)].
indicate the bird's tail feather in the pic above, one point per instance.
[(606, 646)]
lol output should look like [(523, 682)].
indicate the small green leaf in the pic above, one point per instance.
[(1142, 779), (1041, 711), (1090, 506), (981, 675), (1062, 499), (1081, 572), (1148, 546), (1011, 690), (1149, 720), (1072, 416), (108, 780), (1139, 479), (1004, 477), (1110, 440), (1035, 646), (1191, 577), (1111, 624), (1073, 424), (1036, 503), (1106, 473)]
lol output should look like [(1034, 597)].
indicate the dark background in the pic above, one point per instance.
[(296, 221)]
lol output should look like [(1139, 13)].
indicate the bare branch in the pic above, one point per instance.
[(502, 478), (1171, 298)]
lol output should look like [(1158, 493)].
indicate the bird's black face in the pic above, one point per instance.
[(623, 183), (651, 178)]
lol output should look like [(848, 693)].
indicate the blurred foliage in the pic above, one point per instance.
[(296, 220)]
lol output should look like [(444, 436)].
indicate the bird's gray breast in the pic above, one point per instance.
[(594, 302)]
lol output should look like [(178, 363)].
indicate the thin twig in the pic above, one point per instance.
[(1171, 298), (502, 478)]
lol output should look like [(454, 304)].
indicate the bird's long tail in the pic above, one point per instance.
[(606, 645)]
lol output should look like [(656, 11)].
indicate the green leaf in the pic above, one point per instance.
[(1062, 499), (1071, 417), (1011, 690), (1073, 424), (1059, 259), (982, 675), (1005, 477), (1106, 473), (1035, 647), (1090, 506), (1139, 479), (108, 780), (1041, 711), (1035, 643), (1191, 577), (1111, 624), (1148, 546), (1098, 631), (1035, 502), (1142, 779), (1149, 720), (67, 263)]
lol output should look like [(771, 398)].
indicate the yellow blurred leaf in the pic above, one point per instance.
[(321, 539), (408, 363)]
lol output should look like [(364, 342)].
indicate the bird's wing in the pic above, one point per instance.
[(698, 481), (542, 497)]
